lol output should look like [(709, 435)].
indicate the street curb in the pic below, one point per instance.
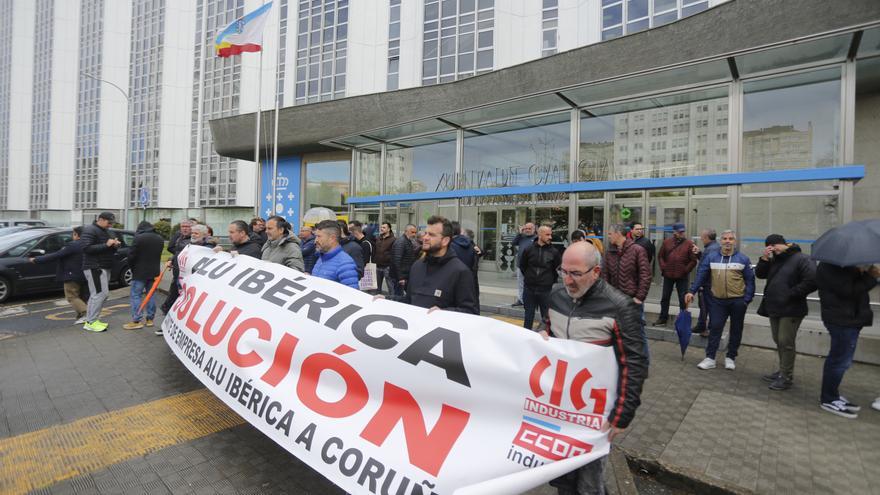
[(681, 478)]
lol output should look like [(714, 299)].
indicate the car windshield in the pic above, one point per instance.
[(13, 240)]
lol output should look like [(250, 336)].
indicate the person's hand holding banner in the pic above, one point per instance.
[(377, 397)]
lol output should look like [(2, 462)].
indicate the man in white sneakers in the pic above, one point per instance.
[(726, 274)]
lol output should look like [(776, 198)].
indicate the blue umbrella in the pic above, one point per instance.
[(683, 329)]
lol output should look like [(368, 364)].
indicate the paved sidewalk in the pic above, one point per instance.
[(724, 428)]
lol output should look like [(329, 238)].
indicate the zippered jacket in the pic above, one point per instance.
[(791, 276), (607, 317), (676, 258), (628, 269), (726, 277)]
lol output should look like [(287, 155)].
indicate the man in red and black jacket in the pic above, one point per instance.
[(677, 260), (588, 309)]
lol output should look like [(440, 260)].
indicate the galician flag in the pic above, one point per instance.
[(245, 34)]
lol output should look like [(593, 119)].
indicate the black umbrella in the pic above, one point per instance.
[(856, 243)]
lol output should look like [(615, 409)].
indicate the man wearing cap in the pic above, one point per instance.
[(676, 259), (790, 275), (99, 248)]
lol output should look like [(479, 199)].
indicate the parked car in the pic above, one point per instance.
[(11, 222), (19, 276), (11, 230)]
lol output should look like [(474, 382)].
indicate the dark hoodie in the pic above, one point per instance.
[(145, 253), (791, 276), (464, 249), (442, 281), (248, 248), (353, 248)]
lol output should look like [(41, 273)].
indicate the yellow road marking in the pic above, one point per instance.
[(42, 458), (109, 310), (509, 319)]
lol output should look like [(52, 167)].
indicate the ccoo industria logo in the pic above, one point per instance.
[(558, 396)]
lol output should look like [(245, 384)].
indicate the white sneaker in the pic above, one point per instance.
[(729, 364), (80, 321), (876, 404), (707, 364)]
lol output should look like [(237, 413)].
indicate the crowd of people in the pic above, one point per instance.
[(589, 291)]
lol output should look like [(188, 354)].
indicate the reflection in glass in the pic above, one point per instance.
[(367, 172), (327, 185), (521, 153), (427, 166), (799, 219), (661, 139), (792, 122)]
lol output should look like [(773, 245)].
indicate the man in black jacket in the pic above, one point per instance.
[(257, 231), (539, 263), (440, 280), (588, 309), (99, 248), (790, 275), (70, 272), (638, 236), (176, 245), (843, 296), (352, 247), (242, 242), (403, 255), (144, 257)]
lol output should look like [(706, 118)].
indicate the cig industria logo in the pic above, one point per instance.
[(558, 395)]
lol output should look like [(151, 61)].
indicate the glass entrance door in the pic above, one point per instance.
[(627, 207), (665, 209)]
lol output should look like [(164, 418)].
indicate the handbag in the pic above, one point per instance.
[(368, 281)]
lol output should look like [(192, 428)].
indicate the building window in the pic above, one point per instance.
[(458, 39), (424, 164), (792, 121), (367, 172), (41, 105), (549, 23), (327, 185), (527, 152), (145, 88), (620, 17), (213, 179), (282, 51), (394, 46), (321, 50), (5, 97), (607, 154)]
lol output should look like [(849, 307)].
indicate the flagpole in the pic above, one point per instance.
[(257, 139), (275, 131)]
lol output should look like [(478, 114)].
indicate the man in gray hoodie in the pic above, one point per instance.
[(281, 247)]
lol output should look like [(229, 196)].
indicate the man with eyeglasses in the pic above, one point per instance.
[(589, 309)]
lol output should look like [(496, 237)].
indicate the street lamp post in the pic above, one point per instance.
[(127, 143)]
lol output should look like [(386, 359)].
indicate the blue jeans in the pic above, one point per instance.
[(532, 299), (719, 311), (138, 291), (840, 357)]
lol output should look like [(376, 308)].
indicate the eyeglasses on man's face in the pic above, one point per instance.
[(575, 275)]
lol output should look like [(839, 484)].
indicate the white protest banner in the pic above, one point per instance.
[(382, 397)]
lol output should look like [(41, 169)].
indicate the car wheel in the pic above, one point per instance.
[(5, 290), (125, 277)]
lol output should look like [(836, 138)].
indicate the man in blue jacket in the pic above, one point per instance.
[(70, 272), (333, 263), (728, 276)]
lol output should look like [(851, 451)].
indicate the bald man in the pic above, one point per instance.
[(588, 309)]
